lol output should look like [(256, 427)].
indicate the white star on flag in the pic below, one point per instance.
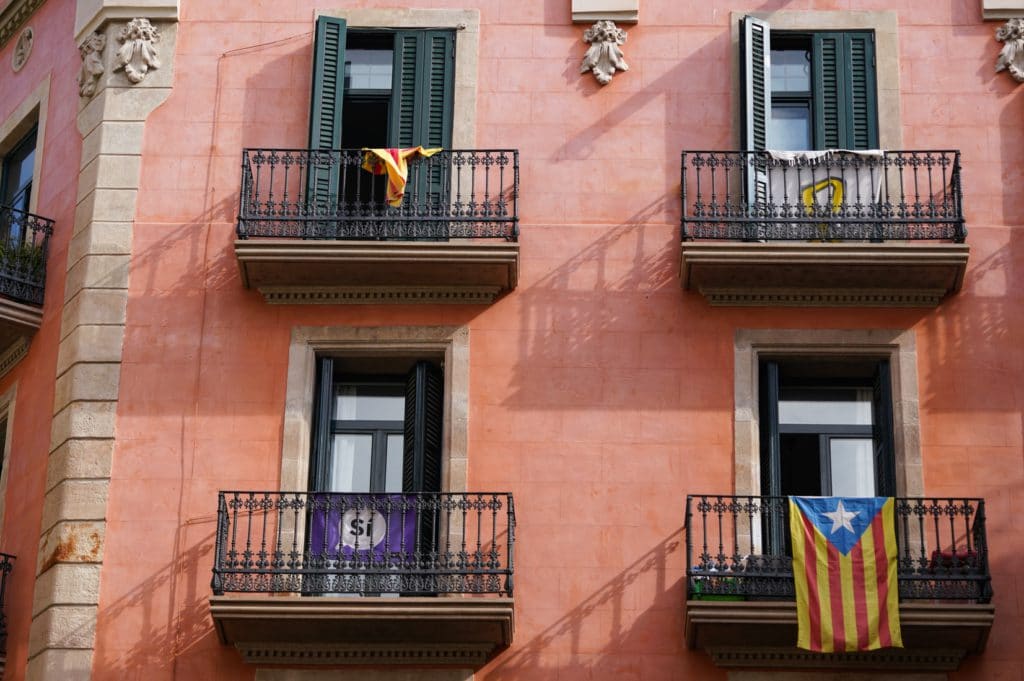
[(841, 518)]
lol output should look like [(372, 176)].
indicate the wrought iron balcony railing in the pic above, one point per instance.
[(341, 544), (6, 565), (326, 194), (737, 548), (835, 196), (24, 240)]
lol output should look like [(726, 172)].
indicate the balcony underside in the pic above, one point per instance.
[(936, 636), (823, 274), (372, 630), (18, 323), (331, 272)]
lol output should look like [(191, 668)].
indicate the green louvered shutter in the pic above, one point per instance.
[(756, 82), (829, 96), (325, 109), (882, 432), (861, 100), (404, 109), (756, 46), (846, 110), (421, 458), (424, 81), (421, 114)]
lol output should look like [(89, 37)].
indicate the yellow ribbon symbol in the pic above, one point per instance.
[(834, 187)]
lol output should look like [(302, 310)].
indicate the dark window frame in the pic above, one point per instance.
[(20, 197), (853, 103), (424, 418)]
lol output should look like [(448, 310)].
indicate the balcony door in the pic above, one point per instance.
[(826, 430), (375, 473), (382, 89)]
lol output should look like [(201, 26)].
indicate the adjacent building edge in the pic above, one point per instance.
[(72, 531)]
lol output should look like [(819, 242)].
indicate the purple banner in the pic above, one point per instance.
[(371, 526)]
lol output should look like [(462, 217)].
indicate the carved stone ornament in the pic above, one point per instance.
[(1011, 57), (604, 57), (137, 54), (92, 64), (22, 49)]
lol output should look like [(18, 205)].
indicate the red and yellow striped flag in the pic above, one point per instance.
[(844, 568)]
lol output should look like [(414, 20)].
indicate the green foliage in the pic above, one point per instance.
[(22, 258)]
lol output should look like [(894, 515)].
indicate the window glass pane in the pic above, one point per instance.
[(368, 69), (369, 402), (791, 70), (393, 472), (350, 463), (853, 469), (789, 127), (17, 174), (825, 406), (800, 459)]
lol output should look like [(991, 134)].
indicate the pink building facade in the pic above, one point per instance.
[(559, 392)]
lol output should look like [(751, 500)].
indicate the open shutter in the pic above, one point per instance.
[(424, 404), (325, 108), (421, 114), (323, 413), (882, 435), (756, 46), (424, 82), (421, 462), (861, 100), (755, 36), (771, 456), (829, 97), (846, 108)]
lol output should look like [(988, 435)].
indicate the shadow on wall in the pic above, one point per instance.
[(166, 618), (603, 637)]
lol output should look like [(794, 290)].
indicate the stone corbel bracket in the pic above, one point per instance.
[(1011, 57), (604, 56)]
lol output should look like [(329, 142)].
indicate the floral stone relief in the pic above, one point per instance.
[(137, 54), (604, 56), (1011, 57)]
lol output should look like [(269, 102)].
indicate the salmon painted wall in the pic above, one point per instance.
[(54, 56), (601, 393)]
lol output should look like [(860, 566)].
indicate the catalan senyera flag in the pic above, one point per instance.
[(395, 164), (844, 569)]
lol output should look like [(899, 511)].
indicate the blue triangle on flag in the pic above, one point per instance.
[(841, 520)]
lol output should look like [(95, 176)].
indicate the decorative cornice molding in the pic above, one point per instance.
[(13, 354), (890, 274), (1001, 9), (888, 659), (469, 655), (372, 295), (330, 272), (604, 56), (824, 297), (14, 16), (92, 15)]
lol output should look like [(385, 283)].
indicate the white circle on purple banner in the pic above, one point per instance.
[(362, 530)]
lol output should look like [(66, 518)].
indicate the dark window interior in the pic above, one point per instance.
[(16, 173)]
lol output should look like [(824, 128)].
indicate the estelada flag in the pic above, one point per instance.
[(844, 569)]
